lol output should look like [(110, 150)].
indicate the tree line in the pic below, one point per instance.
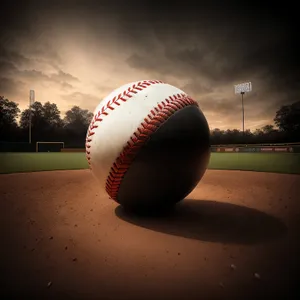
[(48, 125)]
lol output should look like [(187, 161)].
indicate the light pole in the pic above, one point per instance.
[(243, 88), (243, 112), (31, 100)]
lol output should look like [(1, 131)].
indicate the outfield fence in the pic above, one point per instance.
[(232, 148), (40, 146), (257, 148), (16, 147), (72, 150), (258, 145)]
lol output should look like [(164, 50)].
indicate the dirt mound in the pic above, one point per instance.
[(62, 238)]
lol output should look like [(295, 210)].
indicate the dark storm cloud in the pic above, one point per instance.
[(81, 99), (225, 48), (42, 53), (62, 76), (195, 86), (14, 15), (59, 77), (219, 106), (66, 86), (21, 30), (12, 56), (192, 62), (205, 46), (11, 63), (9, 60), (7, 67), (223, 42), (9, 86), (225, 55)]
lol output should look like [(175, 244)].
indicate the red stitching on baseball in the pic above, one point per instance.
[(98, 117), (158, 116)]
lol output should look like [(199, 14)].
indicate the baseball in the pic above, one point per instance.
[(148, 144)]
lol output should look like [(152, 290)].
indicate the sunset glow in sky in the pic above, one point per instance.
[(77, 54)]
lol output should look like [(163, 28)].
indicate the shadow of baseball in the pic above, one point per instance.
[(211, 221)]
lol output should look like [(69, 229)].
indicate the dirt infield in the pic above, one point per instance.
[(64, 239)]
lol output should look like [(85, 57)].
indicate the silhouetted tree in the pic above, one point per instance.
[(288, 118), (217, 136), (77, 118), (37, 116), (76, 123), (267, 134), (52, 115), (267, 129), (46, 122), (47, 125), (248, 137), (9, 112)]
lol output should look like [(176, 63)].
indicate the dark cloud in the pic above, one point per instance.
[(11, 64), (45, 52), (62, 76), (196, 87), (66, 86), (7, 67), (36, 52), (222, 47), (10, 86), (33, 75), (81, 99), (12, 56), (226, 59), (205, 47), (59, 78), (220, 106)]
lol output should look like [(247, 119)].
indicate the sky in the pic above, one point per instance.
[(77, 52)]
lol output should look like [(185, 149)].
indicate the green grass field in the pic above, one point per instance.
[(261, 162)]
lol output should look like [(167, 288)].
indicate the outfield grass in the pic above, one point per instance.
[(31, 162), (272, 162), (260, 162)]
